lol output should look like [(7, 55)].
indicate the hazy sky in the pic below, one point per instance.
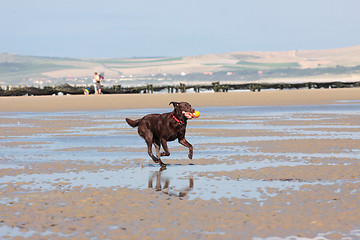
[(117, 28)]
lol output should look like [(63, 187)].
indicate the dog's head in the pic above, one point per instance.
[(183, 109)]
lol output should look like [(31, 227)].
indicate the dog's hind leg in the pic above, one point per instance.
[(148, 136)]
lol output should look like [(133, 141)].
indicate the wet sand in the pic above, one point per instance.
[(313, 156)]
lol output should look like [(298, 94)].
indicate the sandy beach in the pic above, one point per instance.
[(135, 101), (271, 165)]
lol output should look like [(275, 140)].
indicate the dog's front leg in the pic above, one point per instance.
[(155, 159), (157, 148), (187, 144), (148, 141)]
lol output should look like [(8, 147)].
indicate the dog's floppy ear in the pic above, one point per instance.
[(175, 104)]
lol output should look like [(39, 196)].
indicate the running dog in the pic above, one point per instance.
[(158, 129)]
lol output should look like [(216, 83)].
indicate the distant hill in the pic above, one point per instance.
[(300, 65)]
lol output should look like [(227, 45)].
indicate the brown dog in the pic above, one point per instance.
[(158, 129)]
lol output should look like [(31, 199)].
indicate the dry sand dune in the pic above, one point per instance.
[(349, 56)]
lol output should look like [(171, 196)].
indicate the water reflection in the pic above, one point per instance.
[(159, 180)]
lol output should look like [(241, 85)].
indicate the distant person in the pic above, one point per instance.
[(97, 81), (86, 91), (101, 75)]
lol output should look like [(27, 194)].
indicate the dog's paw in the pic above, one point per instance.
[(156, 160), (163, 165), (164, 154), (190, 155)]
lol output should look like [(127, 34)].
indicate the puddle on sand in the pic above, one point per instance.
[(86, 143), (178, 178)]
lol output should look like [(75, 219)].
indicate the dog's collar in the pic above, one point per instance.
[(173, 116)]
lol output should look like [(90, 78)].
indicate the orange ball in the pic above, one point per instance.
[(197, 114)]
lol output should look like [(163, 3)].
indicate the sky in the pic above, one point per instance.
[(144, 28)]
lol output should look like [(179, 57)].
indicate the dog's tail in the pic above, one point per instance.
[(133, 123)]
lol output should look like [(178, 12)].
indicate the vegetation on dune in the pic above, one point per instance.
[(26, 67), (270, 65), (142, 66), (135, 60), (240, 56)]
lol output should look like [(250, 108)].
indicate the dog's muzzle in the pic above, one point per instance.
[(188, 115)]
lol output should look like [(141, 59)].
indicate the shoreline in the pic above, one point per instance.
[(161, 100)]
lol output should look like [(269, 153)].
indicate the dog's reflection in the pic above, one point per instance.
[(166, 181)]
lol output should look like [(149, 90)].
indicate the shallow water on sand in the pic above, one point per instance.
[(103, 138), (267, 165)]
